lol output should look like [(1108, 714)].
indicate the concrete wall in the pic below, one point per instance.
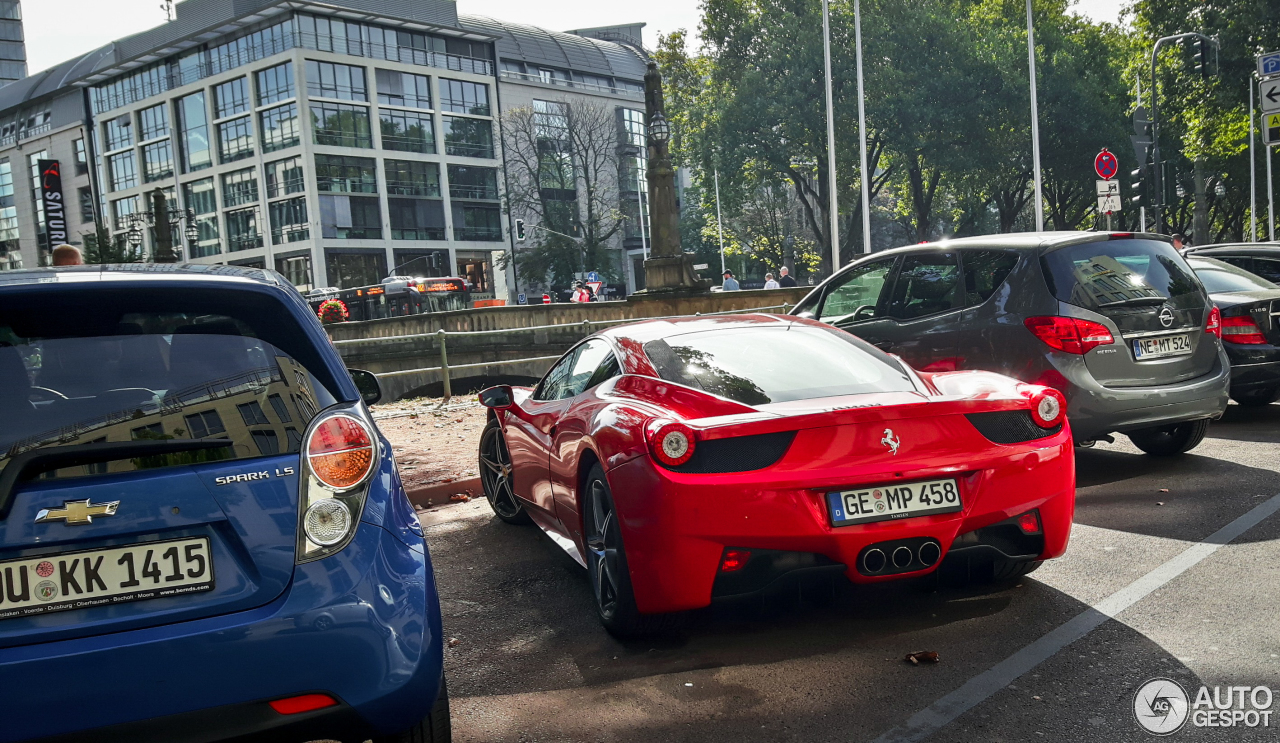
[(405, 352)]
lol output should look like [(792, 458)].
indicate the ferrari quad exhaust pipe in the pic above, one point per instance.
[(899, 556), (902, 557), (873, 561), (929, 553)]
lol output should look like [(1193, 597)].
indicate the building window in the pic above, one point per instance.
[(252, 415), (235, 140), (275, 84), (297, 269), (347, 270), (289, 221), (193, 123), (243, 232), (341, 125), (205, 424), (416, 219), (331, 80), (153, 122), (240, 187), (462, 97), (231, 98), (403, 89), (267, 442), (285, 177), (87, 215), (407, 132), (150, 432), (341, 174), (117, 133), (469, 182), (279, 128), (633, 121), (282, 410), (201, 198), (82, 157), (467, 137), (121, 210), (157, 161), (350, 217), (123, 170), (412, 178), (476, 222)]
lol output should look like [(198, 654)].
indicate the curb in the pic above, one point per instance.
[(437, 494)]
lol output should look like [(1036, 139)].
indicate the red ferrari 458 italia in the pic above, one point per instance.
[(685, 461)]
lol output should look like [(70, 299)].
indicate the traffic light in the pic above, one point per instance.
[(1203, 56), (520, 233), (1140, 186)]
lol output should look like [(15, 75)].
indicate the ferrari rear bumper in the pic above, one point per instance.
[(676, 526)]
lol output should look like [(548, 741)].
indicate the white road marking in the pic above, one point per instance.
[(981, 687)]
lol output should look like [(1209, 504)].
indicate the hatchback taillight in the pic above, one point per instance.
[(1213, 325), (340, 454), (1069, 334), (1242, 330)]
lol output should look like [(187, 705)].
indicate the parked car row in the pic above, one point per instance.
[(914, 415)]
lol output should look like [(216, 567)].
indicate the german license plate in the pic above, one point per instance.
[(1167, 345), (889, 502), (79, 580)]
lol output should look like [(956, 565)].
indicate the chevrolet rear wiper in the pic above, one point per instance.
[(52, 458)]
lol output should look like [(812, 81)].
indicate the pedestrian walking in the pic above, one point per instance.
[(730, 284), (769, 283), (784, 278), (580, 293), (1179, 241)]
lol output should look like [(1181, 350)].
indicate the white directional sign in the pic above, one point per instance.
[(1109, 204), (1269, 64), (1269, 95), (1108, 188)]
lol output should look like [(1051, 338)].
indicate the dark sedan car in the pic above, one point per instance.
[(1117, 322), (1261, 259), (1250, 307)]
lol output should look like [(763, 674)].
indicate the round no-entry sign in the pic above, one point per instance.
[(1106, 165)]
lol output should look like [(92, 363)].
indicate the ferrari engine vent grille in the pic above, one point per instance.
[(1010, 426), (737, 453)]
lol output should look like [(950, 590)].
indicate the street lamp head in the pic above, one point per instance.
[(659, 129), (1220, 189), (192, 233), (1181, 191), (135, 236)]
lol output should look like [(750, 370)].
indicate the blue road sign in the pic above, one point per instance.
[(522, 299), (593, 276), (1269, 64)]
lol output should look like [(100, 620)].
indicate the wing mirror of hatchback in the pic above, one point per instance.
[(368, 385), (498, 397)]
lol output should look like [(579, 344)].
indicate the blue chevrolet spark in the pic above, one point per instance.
[(203, 535)]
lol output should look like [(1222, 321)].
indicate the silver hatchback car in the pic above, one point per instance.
[(1117, 322)]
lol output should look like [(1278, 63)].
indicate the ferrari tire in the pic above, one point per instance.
[(1256, 398), (496, 473), (611, 588), (434, 728), (1169, 441)]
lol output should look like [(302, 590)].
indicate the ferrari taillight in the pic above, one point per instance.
[(1069, 334), (671, 443), (1048, 407)]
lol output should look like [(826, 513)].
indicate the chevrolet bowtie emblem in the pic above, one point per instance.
[(77, 512)]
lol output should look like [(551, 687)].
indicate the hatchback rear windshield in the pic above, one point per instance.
[(1114, 274), (231, 372), (1219, 277), (757, 366)]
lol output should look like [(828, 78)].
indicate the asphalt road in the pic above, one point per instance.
[(1140, 594)]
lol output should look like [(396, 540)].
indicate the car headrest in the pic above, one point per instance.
[(220, 327)]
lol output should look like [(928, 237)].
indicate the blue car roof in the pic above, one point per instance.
[(148, 272)]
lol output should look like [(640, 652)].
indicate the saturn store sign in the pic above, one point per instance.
[(55, 211)]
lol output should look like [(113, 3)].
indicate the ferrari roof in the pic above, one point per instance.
[(649, 330)]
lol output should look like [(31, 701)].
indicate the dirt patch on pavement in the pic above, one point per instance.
[(433, 446)]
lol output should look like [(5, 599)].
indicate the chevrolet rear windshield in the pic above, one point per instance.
[(1120, 276), (776, 363), (229, 370)]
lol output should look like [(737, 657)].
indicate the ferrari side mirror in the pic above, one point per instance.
[(498, 397), (807, 314)]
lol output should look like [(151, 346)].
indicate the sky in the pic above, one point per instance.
[(57, 30)]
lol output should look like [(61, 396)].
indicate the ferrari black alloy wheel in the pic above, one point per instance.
[(496, 474)]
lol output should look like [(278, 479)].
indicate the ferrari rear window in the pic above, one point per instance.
[(758, 366)]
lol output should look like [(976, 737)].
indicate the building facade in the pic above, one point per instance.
[(13, 48), (336, 143)]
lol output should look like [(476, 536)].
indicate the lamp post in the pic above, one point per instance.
[(833, 209), (667, 269), (1035, 117)]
